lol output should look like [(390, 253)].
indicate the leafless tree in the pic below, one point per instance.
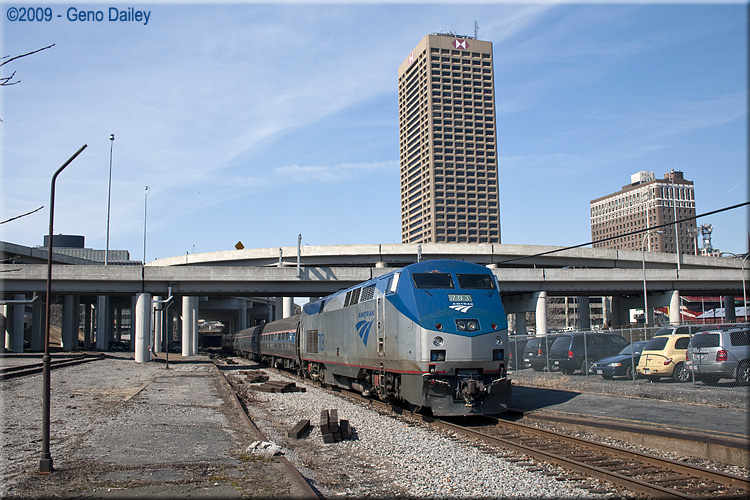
[(6, 81)]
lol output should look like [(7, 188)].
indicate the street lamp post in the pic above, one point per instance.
[(109, 196), (645, 294), (145, 211), (45, 462), (744, 291)]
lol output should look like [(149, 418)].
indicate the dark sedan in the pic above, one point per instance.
[(620, 365)]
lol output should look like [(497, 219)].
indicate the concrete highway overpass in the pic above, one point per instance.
[(528, 275)]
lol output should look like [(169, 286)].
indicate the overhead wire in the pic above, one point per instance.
[(638, 231)]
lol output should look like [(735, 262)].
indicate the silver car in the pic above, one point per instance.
[(717, 354)]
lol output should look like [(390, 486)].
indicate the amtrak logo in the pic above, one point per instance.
[(463, 308), (363, 329), (460, 44)]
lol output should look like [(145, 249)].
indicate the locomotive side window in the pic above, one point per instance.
[(432, 280), (476, 281), (394, 283)]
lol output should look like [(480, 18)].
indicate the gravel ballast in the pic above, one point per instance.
[(385, 457)]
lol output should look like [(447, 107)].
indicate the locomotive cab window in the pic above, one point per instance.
[(476, 281), (432, 280)]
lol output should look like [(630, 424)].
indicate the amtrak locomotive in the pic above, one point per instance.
[(433, 334)]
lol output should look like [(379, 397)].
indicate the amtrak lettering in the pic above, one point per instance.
[(462, 307), (363, 326)]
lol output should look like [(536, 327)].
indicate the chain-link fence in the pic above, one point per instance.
[(704, 354)]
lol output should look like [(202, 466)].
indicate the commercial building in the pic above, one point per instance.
[(448, 142), (646, 203)]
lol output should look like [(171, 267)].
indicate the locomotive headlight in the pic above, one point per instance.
[(461, 324), (499, 340), (472, 325), (437, 341)]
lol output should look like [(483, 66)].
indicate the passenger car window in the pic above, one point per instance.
[(656, 344), (740, 338), (432, 280), (475, 281), (560, 343), (682, 343), (622, 341), (705, 340)]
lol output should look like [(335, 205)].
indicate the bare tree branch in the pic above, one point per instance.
[(6, 81), (22, 215)]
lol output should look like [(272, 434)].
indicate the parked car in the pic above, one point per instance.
[(579, 351), (680, 330), (717, 354), (664, 356), (516, 346), (535, 353), (620, 365)]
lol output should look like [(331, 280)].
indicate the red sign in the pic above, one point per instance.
[(460, 44)]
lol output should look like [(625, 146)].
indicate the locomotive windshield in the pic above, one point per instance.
[(432, 280), (476, 281)]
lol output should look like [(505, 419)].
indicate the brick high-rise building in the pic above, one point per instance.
[(645, 203), (448, 142)]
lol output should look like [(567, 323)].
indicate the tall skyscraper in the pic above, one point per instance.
[(645, 203), (448, 142)]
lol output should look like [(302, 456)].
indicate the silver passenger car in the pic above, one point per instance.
[(717, 354)]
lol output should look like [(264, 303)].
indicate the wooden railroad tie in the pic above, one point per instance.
[(278, 386), (299, 430), (255, 377), (333, 429)]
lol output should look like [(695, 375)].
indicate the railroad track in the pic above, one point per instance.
[(630, 470), (32, 368), (634, 471)]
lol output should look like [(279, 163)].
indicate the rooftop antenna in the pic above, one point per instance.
[(476, 30)]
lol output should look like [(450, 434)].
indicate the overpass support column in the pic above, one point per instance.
[(102, 323), (16, 340), (189, 325), (730, 315), (674, 308), (142, 320), (3, 325), (606, 312), (158, 315), (131, 327), (584, 313), (87, 326), (278, 309), (169, 326), (541, 313), (288, 306), (37, 325), (242, 315), (118, 324), (520, 323), (69, 337), (620, 315)]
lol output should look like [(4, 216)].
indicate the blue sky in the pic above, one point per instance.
[(255, 122)]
